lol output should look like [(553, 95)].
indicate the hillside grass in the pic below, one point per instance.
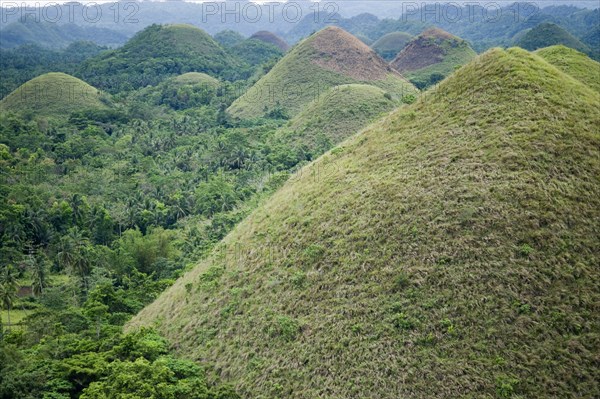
[(336, 115), (194, 78), (16, 316), (54, 94), (449, 250), (574, 63), (296, 80)]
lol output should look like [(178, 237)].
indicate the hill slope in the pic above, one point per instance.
[(336, 115), (449, 250), (157, 52), (574, 63), (54, 35), (548, 34), (432, 56), (271, 38), (388, 46), (328, 58), (53, 94)]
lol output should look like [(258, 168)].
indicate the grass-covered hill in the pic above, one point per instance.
[(574, 63), (328, 58), (432, 56), (548, 34), (388, 46), (54, 94), (271, 38), (336, 115), (449, 250), (157, 52), (255, 52)]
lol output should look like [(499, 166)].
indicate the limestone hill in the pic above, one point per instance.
[(154, 54), (339, 113), (449, 250), (388, 46), (271, 38), (53, 94), (328, 58), (548, 34), (574, 63), (432, 56)]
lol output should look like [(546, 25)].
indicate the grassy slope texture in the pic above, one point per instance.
[(336, 115), (328, 58), (432, 56), (448, 251), (574, 63), (53, 94), (388, 46), (548, 34), (157, 52), (271, 38)]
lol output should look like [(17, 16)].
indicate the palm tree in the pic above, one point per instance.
[(8, 290), (39, 275), (76, 254)]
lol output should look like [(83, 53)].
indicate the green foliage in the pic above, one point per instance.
[(154, 54)]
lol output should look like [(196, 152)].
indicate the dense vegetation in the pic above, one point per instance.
[(155, 53), (449, 250), (26, 62)]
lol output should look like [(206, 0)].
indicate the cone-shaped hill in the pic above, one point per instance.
[(271, 38), (388, 46), (432, 56), (53, 94), (328, 58), (576, 64), (449, 250), (339, 113), (548, 34), (157, 52)]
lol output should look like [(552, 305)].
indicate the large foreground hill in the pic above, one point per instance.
[(450, 250)]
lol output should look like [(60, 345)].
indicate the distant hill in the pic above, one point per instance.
[(55, 36), (53, 94), (432, 56), (228, 38), (388, 46), (548, 34), (255, 52), (328, 58), (156, 53), (271, 38), (449, 250), (574, 63), (337, 114)]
